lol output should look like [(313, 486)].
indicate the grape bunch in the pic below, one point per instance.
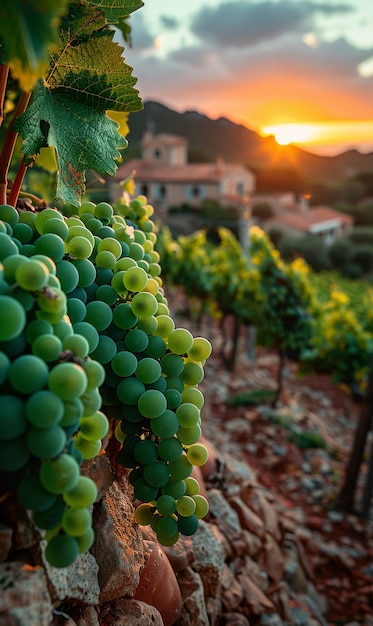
[(49, 390)]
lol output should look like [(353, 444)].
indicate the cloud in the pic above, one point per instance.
[(142, 37), (239, 24), (169, 23)]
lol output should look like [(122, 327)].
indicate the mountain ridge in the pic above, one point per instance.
[(236, 143)]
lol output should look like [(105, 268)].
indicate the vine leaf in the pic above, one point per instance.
[(115, 10), (82, 137)]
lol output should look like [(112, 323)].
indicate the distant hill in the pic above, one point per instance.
[(235, 143)]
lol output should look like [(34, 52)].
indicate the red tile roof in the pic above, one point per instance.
[(304, 220), (164, 173)]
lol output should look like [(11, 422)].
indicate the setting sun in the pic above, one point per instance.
[(291, 133)]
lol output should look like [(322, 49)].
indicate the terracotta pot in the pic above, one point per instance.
[(158, 586)]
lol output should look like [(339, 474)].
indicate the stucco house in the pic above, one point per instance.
[(320, 221), (164, 175)]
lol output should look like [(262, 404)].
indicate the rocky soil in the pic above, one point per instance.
[(273, 551)]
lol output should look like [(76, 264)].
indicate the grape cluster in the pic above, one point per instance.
[(98, 320), (49, 390)]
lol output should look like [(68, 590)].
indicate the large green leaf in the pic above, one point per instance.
[(82, 137), (89, 66), (116, 9), (27, 29)]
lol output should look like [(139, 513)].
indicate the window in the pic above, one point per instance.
[(195, 192), (240, 188), (160, 192), (157, 153), (144, 190)]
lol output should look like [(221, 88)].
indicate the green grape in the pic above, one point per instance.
[(148, 370), (188, 436), (193, 395), (117, 284), (76, 310), (166, 325), (68, 276), (32, 276), (73, 411), (76, 521), (14, 454), (50, 245), (105, 350), (104, 212), (144, 304), (46, 260), (56, 226), (106, 293), (10, 265), (145, 451), (89, 332), (88, 449), (112, 245), (99, 314), (124, 264), (143, 491), (172, 364), (105, 259), (175, 382), (143, 514), (181, 468), (87, 207), (135, 279), (79, 230), (170, 449), (7, 246), (166, 425), (95, 373), (59, 475), (25, 299), (13, 420), (192, 486), (156, 347), (197, 454), (92, 402), (85, 541), (77, 344), (53, 300), (188, 525), (9, 214), (28, 373), (157, 473), (136, 251), (44, 216), (152, 403), (162, 309), (50, 518), (86, 271), (46, 443), (193, 373), (173, 397), (166, 505), (63, 328), (124, 363), (180, 341), (167, 526), (148, 325), (175, 488), (123, 316), (129, 390), (4, 367), (47, 347), (79, 247), (136, 340), (32, 495), (131, 414), (200, 350), (44, 409), (12, 318), (185, 506), (67, 380), (61, 551), (188, 414), (23, 232), (94, 427), (168, 541), (202, 506)]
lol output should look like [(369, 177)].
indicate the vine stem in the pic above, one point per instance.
[(17, 184), (9, 143), (4, 72)]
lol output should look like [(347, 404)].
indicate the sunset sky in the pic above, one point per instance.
[(262, 63)]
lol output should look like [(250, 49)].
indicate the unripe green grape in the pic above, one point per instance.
[(76, 521), (79, 247), (145, 451), (189, 436), (148, 370), (136, 340), (12, 318), (78, 229), (53, 300), (168, 541), (149, 325), (50, 245), (200, 350), (152, 286), (67, 380), (188, 525), (105, 259), (181, 468), (124, 264), (59, 475), (124, 363), (92, 402), (156, 347), (156, 473), (68, 275), (57, 227), (192, 374), (170, 449), (135, 279), (14, 454), (167, 526), (143, 514), (104, 212), (44, 216), (85, 541), (28, 373), (188, 414), (10, 265), (107, 293), (119, 434), (99, 314), (76, 310), (202, 506), (86, 271), (173, 397), (193, 395), (95, 373), (162, 309), (63, 328), (175, 488), (112, 245), (144, 305), (166, 425), (197, 454), (192, 486), (61, 551), (136, 251), (4, 367), (23, 232), (46, 443), (172, 364), (88, 449), (9, 214), (44, 409), (123, 316), (166, 505), (105, 351), (180, 341), (185, 506), (165, 327), (13, 422), (175, 382), (129, 390), (48, 347), (94, 427), (7, 246), (143, 491), (152, 403), (32, 495), (32, 276), (89, 332)]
